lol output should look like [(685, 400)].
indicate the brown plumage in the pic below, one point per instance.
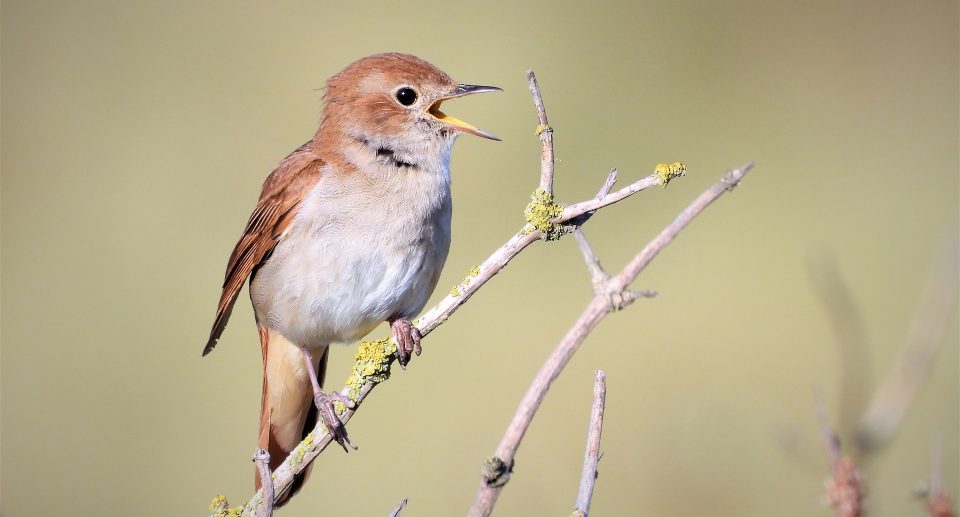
[(351, 229), (282, 191)]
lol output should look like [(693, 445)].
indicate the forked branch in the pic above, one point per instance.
[(545, 220), (609, 296)]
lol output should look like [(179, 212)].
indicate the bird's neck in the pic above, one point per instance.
[(385, 154)]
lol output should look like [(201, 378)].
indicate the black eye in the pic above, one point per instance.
[(406, 96)]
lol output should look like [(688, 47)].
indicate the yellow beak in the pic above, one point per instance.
[(461, 91)]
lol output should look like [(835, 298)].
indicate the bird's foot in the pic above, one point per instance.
[(328, 413), (407, 337)]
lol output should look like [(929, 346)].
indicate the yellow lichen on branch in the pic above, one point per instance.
[(219, 507), (540, 215), (372, 364), (667, 172), (473, 273)]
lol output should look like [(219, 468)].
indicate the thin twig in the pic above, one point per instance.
[(898, 390), (588, 477), (498, 468), (262, 458), (545, 132), (396, 511), (608, 185), (597, 275), (727, 183)]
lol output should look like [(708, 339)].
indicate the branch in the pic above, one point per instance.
[(545, 133), (898, 390), (610, 297), (588, 478), (597, 275), (262, 458), (545, 220), (852, 343), (845, 488), (937, 499), (396, 511)]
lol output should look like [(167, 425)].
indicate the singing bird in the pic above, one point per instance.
[(351, 230)]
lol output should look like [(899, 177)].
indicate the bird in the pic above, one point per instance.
[(351, 230)]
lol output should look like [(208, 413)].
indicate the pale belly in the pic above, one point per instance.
[(333, 279)]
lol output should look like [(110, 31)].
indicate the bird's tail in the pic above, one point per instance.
[(287, 411)]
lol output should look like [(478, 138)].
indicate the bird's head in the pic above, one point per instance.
[(393, 101)]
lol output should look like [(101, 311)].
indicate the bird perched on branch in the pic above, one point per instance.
[(351, 230)]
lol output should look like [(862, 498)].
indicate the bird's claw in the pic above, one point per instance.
[(407, 337), (328, 413)]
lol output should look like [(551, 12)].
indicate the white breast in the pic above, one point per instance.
[(361, 250)]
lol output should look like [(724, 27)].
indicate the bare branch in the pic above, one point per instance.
[(545, 132), (396, 511), (499, 467), (262, 458), (375, 357), (591, 205), (588, 478), (597, 275), (481, 274), (852, 344), (897, 392), (608, 185), (727, 183)]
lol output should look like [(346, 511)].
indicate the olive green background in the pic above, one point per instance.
[(136, 134)]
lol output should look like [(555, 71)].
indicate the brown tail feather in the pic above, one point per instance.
[(287, 412)]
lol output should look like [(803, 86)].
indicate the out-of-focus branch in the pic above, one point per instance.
[(899, 389), (613, 295), (936, 498), (396, 511), (588, 477), (845, 489), (854, 350)]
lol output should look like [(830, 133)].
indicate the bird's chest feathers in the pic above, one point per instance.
[(360, 250)]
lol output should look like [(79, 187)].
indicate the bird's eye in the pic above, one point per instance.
[(406, 96)]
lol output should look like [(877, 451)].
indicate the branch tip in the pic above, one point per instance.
[(396, 511)]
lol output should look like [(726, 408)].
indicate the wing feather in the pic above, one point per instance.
[(283, 190)]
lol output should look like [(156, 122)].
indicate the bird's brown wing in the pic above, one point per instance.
[(282, 192)]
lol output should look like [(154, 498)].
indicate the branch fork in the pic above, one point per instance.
[(549, 221)]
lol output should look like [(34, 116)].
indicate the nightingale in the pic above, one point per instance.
[(351, 230)]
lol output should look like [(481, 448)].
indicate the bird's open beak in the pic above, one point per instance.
[(462, 90)]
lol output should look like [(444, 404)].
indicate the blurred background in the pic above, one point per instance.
[(135, 136)]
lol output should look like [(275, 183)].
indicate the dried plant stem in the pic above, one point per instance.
[(611, 296), (588, 477)]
